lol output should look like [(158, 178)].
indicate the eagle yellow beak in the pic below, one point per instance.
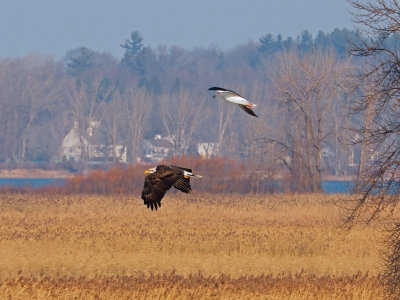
[(147, 172)]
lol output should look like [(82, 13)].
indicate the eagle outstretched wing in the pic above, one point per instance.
[(161, 179), (156, 185), (183, 184)]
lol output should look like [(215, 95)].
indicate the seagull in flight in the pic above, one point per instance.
[(234, 97)]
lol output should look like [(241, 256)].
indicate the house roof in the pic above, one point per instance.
[(162, 143), (73, 138)]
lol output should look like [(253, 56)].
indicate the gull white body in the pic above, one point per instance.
[(235, 98)]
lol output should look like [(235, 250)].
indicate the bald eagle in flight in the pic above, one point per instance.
[(161, 179), (234, 97)]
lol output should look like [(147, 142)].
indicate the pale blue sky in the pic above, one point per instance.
[(56, 26)]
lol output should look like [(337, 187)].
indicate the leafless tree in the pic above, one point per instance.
[(88, 95), (308, 87), (33, 88), (88, 98), (8, 113), (181, 115), (113, 118), (379, 181), (138, 104), (391, 254), (379, 106)]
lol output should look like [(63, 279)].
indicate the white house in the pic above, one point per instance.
[(207, 150), (76, 146), (157, 149)]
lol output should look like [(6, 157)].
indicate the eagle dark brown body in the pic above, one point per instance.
[(161, 179)]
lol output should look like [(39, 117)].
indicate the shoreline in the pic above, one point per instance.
[(339, 178), (34, 173), (39, 173)]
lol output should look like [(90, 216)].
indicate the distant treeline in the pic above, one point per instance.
[(164, 91)]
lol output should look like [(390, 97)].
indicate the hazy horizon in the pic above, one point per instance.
[(51, 27)]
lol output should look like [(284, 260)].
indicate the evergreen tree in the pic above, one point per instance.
[(133, 47), (321, 41), (339, 40), (305, 41), (79, 59), (279, 42), (288, 43), (268, 44)]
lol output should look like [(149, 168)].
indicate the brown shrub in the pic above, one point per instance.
[(220, 175)]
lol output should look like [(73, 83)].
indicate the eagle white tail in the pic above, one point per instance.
[(188, 174)]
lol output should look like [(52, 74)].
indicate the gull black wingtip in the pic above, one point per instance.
[(215, 88), (234, 97)]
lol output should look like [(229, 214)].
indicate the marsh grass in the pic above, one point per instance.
[(197, 246)]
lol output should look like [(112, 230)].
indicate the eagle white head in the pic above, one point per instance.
[(151, 170)]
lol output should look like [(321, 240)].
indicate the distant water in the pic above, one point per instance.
[(30, 182), (329, 186), (337, 186)]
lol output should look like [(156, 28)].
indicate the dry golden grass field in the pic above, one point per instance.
[(199, 246)]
